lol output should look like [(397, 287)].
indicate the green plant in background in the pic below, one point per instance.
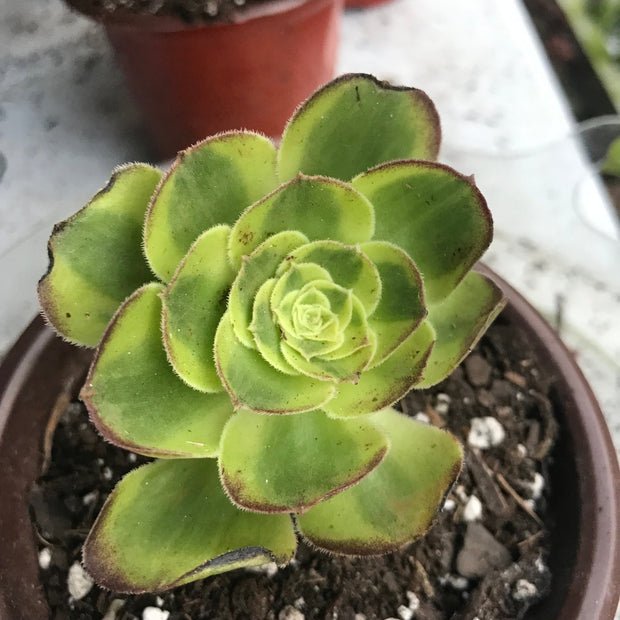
[(256, 313), (597, 26)]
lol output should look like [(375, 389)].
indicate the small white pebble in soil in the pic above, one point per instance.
[(290, 613), (269, 569), (79, 582), (159, 601), (106, 473), (537, 485), (132, 458), (524, 590), (540, 565), (443, 404), (485, 433), (414, 601), (45, 558), (299, 603), (404, 613), (359, 617), (449, 505), (154, 613), (89, 498), (472, 510), (521, 449), (113, 608), (530, 503), (422, 417), (455, 581)]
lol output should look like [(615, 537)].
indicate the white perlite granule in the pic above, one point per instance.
[(485, 433), (45, 558), (404, 613), (414, 601), (290, 613), (524, 590), (79, 582), (115, 606), (154, 613), (472, 510)]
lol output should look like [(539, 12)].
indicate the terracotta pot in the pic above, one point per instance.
[(191, 81), (364, 4), (585, 477)]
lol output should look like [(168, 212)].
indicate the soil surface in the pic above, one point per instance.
[(484, 558), (191, 11)]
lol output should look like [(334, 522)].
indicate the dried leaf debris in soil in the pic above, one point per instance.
[(484, 558)]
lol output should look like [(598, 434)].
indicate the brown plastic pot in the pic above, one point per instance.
[(585, 477), (191, 81)]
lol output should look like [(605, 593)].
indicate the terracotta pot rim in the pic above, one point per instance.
[(171, 23), (594, 584)]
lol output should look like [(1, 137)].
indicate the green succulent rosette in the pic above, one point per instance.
[(257, 312)]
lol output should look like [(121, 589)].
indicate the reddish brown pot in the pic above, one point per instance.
[(364, 4), (585, 558), (191, 81)]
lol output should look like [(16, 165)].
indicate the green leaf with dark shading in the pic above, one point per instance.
[(170, 522), (96, 258), (354, 123), (459, 322), (289, 463), (319, 208), (436, 215), (137, 401), (210, 183), (396, 502), (193, 305)]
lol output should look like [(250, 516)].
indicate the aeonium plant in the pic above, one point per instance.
[(257, 312)]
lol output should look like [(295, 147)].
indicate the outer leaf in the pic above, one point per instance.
[(395, 503), (356, 122), (385, 384), (96, 257), (438, 216), (459, 321), (210, 183), (401, 308), (320, 208), (254, 384), (289, 463), (169, 523), (255, 270), (135, 399), (193, 305)]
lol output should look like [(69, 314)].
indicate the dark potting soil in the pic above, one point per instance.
[(484, 558), (191, 11)]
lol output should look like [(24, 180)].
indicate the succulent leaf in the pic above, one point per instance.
[(137, 401), (193, 304), (170, 522), (396, 502), (436, 215), (257, 268), (355, 123), (289, 463), (401, 307), (386, 383), (210, 183), (459, 322), (96, 259), (255, 384), (339, 212)]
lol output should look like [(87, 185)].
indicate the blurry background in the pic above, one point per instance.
[(66, 119)]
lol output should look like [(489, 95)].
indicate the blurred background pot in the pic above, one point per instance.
[(585, 479), (194, 80)]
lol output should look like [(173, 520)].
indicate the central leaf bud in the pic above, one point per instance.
[(313, 317)]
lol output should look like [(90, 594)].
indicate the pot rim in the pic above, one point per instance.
[(170, 23), (594, 584)]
